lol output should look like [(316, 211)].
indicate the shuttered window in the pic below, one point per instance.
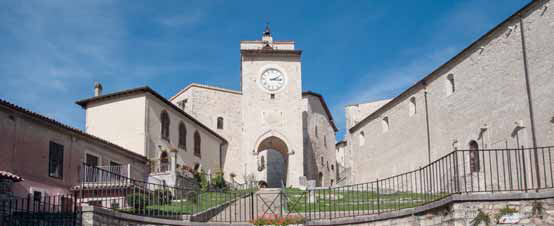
[(55, 160)]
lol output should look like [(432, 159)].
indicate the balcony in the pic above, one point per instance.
[(105, 175)]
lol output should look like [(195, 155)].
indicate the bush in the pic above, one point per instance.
[(161, 196), (219, 181), (138, 200)]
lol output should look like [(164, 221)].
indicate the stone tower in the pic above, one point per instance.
[(271, 84)]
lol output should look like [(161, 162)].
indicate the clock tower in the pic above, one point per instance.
[(271, 85)]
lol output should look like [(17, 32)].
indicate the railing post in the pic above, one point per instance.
[(129, 170), (524, 168), (378, 198), (537, 169)]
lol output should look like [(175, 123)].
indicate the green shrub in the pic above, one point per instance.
[(138, 200), (218, 181), (161, 196)]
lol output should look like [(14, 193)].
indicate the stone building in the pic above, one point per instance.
[(270, 114), (43, 155), (496, 93), (143, 121)]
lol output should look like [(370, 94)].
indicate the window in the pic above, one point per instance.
[(412, 106), (332, 167), (385, 124), (55, 160), (474, 163), (315, 131), (197, 144), (450, 85), (165, 125), (91, 160), (182, 136), (164, 162), (325, 141), (322, 161), (37, 196), (361, 138), (219, 122)]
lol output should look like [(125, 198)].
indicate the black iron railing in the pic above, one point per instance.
[(104, 188), (461, 171), (39, 210)]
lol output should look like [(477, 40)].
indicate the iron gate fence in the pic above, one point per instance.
[(59, 210), (461, 171)]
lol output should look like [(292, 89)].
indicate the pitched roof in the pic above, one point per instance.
[(60, 125), (145, 89), (423, 81), (329, 115), (205, 87)]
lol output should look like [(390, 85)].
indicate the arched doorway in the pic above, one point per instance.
[(273, 161)]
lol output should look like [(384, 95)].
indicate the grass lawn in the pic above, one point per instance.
[(351, 200), (203, 201)]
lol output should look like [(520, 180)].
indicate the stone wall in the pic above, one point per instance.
[(488, 102), (463, 214), (94, 216)]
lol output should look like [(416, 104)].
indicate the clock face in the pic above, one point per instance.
[(272, 79)]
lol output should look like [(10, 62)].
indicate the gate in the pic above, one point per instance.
[(268, 205)]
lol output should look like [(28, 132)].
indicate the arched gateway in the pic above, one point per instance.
[(275, 166)]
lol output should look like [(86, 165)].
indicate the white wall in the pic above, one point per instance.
[(119, 120)]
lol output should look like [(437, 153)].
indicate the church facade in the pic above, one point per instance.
[(495, 94), (269, 130)]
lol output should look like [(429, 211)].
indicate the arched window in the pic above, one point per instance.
[(332, 167), (164, 162), (219, 122), (412, 106), (332, 182), (474, 163), (197, 144), (164, 117), (322, 161), (361, 138), (320, 179), (450, 85), (385, 124), (182, 136)]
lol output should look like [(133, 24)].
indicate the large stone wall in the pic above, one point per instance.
[(489, 104), (207, 103), (319, 143), (463, 214)]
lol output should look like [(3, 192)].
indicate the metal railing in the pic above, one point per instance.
[(461, 171), (138, 197), (37, 211)]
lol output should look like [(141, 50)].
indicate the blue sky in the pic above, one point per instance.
[(51, 52)]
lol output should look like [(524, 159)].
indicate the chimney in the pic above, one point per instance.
[(97, 89)]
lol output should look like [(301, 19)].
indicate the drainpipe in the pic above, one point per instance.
[(427, 124), (529, 98)]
